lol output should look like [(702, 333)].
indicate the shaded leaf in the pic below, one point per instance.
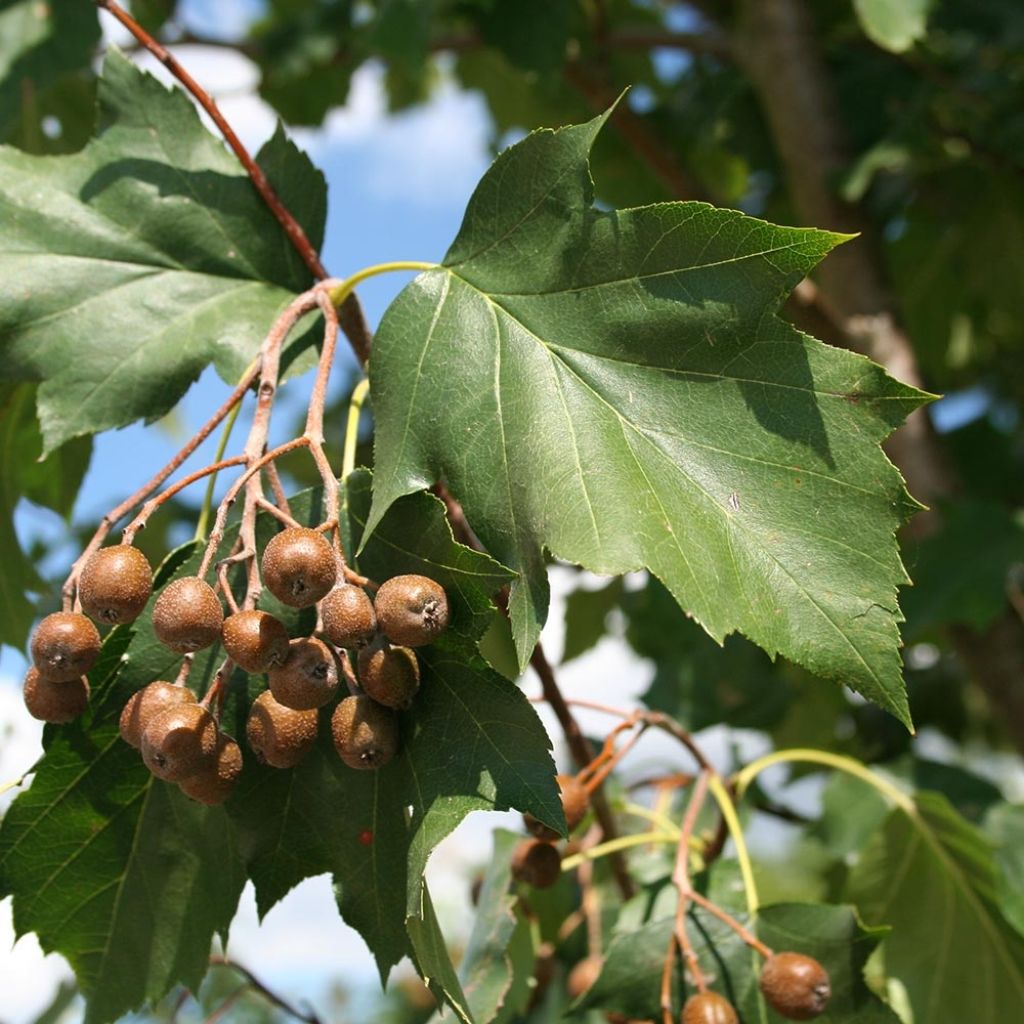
[(931, 876), (130, 266), (585, 614), (614, 387), (1004, 826)]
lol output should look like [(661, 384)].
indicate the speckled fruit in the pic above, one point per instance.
[(55, 702), (365, 734), (308, 678), (795, 986), (255, 641), (187, 615), (177, 742), (65, 646), (709, 1008), (145, 704), (348, 616), (115, 584), (390, 675), (279, 735), (583, 975), (536, 863), (215, 780), (299, 566), (574, 804), (411, 610)]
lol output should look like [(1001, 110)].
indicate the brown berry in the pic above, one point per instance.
[(536, 863), (390, 675), (187, 615), (279, 735), (255, 641), (795, 986), (55, 702), (65, 646), (365, 733), (115, 584), (179, 741), (709, 1008), (574, 803), (411, 610), (217, 777), (148, 702), (308, 678), (299, 566), (583, 975), (348, 616)]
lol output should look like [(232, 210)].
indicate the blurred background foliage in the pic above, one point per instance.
[(914, 136)]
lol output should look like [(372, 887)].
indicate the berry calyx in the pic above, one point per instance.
[(55, 702), (308, 678), (365, 733), (536, 863), (583, 975), (795, 986), (411, 610), (65, 646), (709, 1008), (187, 615), (279, 735), (348, 616), (217, 777), (299, 566), (179, 741), (574, 804), (390, 675), (145, 704), (255, 641), (115, 584)]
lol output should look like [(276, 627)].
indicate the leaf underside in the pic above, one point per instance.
[(615, 388)]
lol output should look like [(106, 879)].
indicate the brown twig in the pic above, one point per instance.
[(309, 1016), (681, 879)]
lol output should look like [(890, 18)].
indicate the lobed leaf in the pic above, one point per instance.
[(614, 387)]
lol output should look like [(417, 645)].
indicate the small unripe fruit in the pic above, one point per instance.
[(55, 702), (215, 780), (795, 986), (536, 863), (583, 976), (574, 804), (279, 735), (709, 1008), (187, 615), (390, 675), (179, 741), (365, 733), (65, 646), (115, 584), (411, 610), (299, 566), (348, 617), (308, 678), (255, 641), (146, 704)]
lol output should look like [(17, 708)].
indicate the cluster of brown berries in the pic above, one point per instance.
[(179, 737)]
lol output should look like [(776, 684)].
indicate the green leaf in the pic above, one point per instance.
[(931, 876), (533, 34), (431, 957), (630, 982), (120, 873), (894, 25), (614, 387), (585, 614), (40, 43), (130, 266), (1004, 826)]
